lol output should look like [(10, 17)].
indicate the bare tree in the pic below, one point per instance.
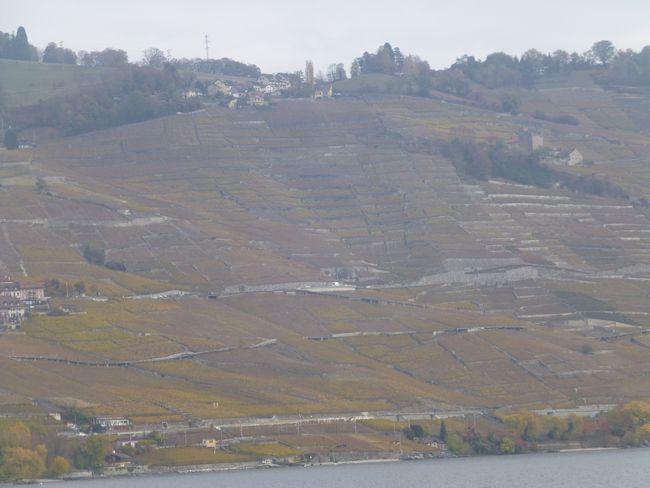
[(153, 57)]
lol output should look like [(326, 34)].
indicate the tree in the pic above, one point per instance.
[(58, 467), (507, 445), (115, 265), (80, 287), (153, 57), (107, 57), (21, 464), (20, 47), (55, 54), (443, 432), (3, 100), (5, 45), (355, 68), (14, 434), (509, 104), (309, 72), (561, 61), (11, 139), (94, 255), (340, 72), (331, 73), (603, 51), (399, 59), (385, 59), (91, 453), (455, 444)]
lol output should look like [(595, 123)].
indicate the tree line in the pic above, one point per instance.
[(17, 46), (129, 92), (468, 75), (132, 93), (625, 425)]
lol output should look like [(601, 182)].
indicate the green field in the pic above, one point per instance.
[(26, 82)]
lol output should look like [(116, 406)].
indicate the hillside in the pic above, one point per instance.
[(548, 286), (27, 82)]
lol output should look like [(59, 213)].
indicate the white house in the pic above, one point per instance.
[(219, 88), (257, 99), (575, 158)]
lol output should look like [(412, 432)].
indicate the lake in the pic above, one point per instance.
[(629, 468)]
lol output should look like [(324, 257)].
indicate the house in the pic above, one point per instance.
[(9, 289), (323, 92), (272, 87), (117, 459), (558, 157), (12, 312), (31, 293), (257, 99), (219, 88), (16, 299), (269, 89), (435, 443), (209, 443), (575, 157)]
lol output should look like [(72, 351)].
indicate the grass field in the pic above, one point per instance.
[(26, 82)]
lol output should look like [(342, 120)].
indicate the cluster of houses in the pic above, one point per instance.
[(258, 93), (252, 93), (17, 298)]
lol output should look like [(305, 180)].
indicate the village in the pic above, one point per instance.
[(237, 92), (17, 300)]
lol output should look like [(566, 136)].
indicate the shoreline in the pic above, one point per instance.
[(254, 465), (216, 468)]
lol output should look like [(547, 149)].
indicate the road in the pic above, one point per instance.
[(300, 420)]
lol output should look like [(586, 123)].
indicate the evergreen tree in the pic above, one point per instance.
[(443, 431), (399, 59), (20, 46), (355, 68), (309, 72), (11, 139)]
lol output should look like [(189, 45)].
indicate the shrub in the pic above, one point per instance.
[(94, 255), (115, 266)]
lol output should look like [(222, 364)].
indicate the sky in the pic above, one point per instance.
[(279, 35)]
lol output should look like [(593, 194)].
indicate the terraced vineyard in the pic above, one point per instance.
[(488, 294)]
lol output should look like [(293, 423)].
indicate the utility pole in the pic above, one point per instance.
[(207, 47)]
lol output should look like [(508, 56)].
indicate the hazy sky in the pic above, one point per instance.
[(278, 35)]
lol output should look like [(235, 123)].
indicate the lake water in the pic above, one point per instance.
[(628, 468)]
